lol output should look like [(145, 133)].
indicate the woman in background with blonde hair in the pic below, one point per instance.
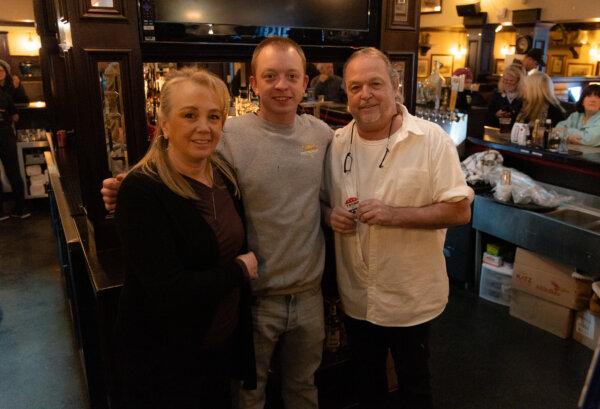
[(539, 101), (184, 326), (507, 100)]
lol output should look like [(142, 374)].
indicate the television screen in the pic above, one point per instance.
[(320, 14), (322, 23)]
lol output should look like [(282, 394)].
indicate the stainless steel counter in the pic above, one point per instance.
[(569, 234)]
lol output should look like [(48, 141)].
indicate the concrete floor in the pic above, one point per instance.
[(481, 357), (39, 364)]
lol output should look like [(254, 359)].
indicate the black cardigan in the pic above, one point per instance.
[(499, 102), (174, 283)]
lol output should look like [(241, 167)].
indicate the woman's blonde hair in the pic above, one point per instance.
[(538, 94), (156, 162), (516, 71)]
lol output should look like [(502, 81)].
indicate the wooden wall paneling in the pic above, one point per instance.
[(61, 9), (4, 51), (99, 33), (86, 10), (403, 40), (408, 75), (480, 51)]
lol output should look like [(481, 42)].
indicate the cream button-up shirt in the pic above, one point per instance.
[(405, 282)]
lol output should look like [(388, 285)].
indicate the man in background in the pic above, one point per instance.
[(328, 84), (533, 61)]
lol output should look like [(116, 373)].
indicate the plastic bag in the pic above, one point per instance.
[(524, 190)]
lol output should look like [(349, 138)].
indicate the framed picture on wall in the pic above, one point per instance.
[(579, 70), (404, 64), (423, 68), (499, 66), (431, 6), (556, 64), (402, 15), (446, 61)]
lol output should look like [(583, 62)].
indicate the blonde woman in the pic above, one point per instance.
[(539, 101), (507, 101), (184, 324)]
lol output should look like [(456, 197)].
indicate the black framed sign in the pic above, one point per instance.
[(401, 15)]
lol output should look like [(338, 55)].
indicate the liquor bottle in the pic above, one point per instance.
[(554, 139), (539, 136), (532, 137), (547, 131), (433, 86)]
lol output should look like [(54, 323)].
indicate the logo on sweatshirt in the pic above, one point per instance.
[(308, 149)]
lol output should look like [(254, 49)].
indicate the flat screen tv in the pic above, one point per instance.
[(308, 22)]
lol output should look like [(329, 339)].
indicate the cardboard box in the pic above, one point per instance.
[(541, 313), (587, 329), (550, 280)]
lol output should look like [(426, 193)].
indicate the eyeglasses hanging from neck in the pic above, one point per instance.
[(348, 158)]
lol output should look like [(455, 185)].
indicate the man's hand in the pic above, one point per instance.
[(574, 139), (109, 191), (342, 221), (374, 212), (250, 264)]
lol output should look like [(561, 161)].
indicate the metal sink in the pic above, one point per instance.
[(577, 217)]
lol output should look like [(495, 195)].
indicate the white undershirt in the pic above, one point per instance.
[(511, 96), (367, 158)]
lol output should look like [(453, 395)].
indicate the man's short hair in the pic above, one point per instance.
[(280, 42), (375, 53)]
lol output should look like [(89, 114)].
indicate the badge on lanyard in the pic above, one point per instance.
[(352, 204)]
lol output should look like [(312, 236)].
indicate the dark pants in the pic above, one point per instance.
[(8, 156), (370, 343)]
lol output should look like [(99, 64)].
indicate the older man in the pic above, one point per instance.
[(394, 184)]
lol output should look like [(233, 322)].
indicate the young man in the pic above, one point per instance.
[(405, 175), (278, 157)]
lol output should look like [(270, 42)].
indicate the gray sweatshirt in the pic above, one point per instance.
[(279, 170)]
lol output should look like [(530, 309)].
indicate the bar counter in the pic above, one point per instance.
[(578, 170), (92, 278)]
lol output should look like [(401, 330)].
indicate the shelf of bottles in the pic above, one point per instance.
[(154, 78)]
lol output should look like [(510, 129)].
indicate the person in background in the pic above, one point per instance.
[(583, 125), (15, 91), (328, 84), (507, 101), (539, 101), (405, 175), (20, 96), (533, 61), (278, 158), (468, 97), (183, 327), (8, 154)]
